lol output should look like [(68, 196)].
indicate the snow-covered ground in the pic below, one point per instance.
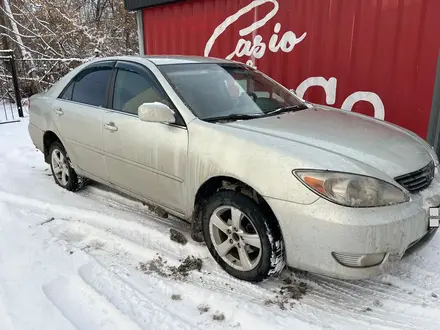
[(73, 261)]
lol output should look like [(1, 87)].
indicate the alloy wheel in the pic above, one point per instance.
[(60, 167), (235, 238)]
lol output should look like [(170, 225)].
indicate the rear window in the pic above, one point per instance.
[(91, 86), (67, 94)]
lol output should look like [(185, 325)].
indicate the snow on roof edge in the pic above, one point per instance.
[(139, 4)]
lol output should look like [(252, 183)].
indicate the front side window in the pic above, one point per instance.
[(216, 90), (132, 89), (91, 86)]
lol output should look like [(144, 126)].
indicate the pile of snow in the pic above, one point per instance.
[(98, 260)]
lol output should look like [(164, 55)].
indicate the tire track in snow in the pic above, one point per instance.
[(81, 235), (213, 285), (377, 317), (134, 304), (84, 307), (125, 229), (200, 284), (354, 290), (361, 297), (151, 235), (194, 292)]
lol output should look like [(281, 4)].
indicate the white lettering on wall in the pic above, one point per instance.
[(256, 49), (328, 85), (373, 98)]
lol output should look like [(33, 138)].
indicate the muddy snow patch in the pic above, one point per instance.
[(218, 317), (288, 294), (159, 266), (203, 308), (176, 297), (178, 237)]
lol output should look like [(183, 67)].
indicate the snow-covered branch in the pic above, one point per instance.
[(44, 31)]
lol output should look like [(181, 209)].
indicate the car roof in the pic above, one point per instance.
[(159, 60), (181, 59)]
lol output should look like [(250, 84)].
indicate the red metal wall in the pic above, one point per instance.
[(387, 49)]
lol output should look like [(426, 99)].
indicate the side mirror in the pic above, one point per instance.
[(156, 112)]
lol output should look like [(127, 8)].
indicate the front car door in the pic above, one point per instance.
[(79, 114), (147, 159)]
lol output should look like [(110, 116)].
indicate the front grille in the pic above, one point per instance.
[(418, 180)]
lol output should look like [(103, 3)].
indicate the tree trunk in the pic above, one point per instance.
[(5, 42), (25, 54)]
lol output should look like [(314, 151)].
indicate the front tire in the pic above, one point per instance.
[(244, 240), (62, 171)]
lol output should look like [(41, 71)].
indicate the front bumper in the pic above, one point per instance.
[(312, 232)]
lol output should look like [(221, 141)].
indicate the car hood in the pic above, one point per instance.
[(378, 144)]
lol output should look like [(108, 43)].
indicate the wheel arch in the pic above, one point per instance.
[(49, 138), (224, 182)]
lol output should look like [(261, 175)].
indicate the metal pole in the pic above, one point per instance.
[(140, 32), (16, 87)]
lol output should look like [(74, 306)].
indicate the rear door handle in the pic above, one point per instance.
[(59, 112), (111, 126)]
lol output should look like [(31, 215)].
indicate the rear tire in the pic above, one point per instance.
[(244, 240), (62, 170)]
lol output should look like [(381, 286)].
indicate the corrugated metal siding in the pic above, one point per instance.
[(387, 47)]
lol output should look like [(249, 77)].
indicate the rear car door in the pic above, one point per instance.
[(79, 114), (146, 158)]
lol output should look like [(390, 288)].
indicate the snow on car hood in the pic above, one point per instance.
[(374, 143)]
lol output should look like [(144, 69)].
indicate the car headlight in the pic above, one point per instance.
[(351, 189)]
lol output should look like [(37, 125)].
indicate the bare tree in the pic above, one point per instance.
[(16, 37), (52, 36)]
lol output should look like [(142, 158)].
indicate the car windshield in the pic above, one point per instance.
[(215, 91)]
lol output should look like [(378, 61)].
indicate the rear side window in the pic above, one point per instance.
[(91, 86), (67, 94)]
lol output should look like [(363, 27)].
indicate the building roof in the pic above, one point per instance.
[(138, 4)]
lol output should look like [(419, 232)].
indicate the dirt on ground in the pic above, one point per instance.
[(288, 294), (188, 265), (159, 266), (178, 237), (157, 210), (203, 309)]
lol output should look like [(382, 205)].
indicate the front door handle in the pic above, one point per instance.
[(59, 112), (111, 127)]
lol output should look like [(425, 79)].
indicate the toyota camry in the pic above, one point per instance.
[(265, 178)]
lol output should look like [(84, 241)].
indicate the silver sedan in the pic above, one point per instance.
[(265, 178)]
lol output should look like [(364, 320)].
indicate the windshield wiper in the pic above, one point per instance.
[(233, 116), (287, 109)]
